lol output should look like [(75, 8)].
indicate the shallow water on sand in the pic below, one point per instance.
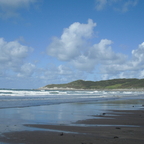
[(12, 119)]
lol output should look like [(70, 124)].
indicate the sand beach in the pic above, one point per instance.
[(127, 127), (114, 121)]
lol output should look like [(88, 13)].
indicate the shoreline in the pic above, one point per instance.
[(123, 126)]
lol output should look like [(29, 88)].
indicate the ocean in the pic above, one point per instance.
[(10, 98)]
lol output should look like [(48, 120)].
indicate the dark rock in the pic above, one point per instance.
[(118, 128), (116, 137), (61, 134)]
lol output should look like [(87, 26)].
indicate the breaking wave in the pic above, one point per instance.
[(27, 97)]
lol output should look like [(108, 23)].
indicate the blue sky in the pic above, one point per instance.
[(59, 41)]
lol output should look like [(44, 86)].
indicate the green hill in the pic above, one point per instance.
[(104, 84)]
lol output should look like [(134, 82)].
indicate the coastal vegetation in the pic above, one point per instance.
[(104, 84)]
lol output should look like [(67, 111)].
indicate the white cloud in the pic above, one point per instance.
[(137, 61), (103, 53), (128, 4), (72, 41), (119, 5), (83, 63), (26, 70), (138, 55), (14, 68), (16, 3), (100, 53), (63, 70), (73, 46), (98, 57), (9, 8), (100, 4), (133, 67), (12, 55), (60, 74)]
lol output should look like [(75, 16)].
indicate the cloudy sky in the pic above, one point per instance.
[(59, 41)]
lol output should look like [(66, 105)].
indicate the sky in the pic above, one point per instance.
[(58, 41)]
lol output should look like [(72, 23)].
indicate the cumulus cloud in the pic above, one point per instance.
[(83, 63), (26, 70), (103, 53), (120, 5), (12, 55), (72, 41), (138, 55), (9, 8), (133, 67), (63, 70), (73, 46), (100, 53)]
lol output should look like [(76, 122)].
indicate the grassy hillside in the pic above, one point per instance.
[(105, 84)]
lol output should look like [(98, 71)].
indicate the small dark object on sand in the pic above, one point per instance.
[(116, 137), (61, 134), (104, 113), (118, 128)]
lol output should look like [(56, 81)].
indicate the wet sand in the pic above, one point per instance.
[(112, 127)]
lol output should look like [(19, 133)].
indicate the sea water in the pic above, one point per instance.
[(25, 97)]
